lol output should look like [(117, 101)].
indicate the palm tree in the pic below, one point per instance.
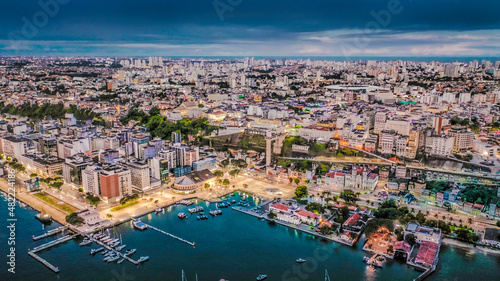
[(469, 221), (427, 212), (413, 210), (444, 217), (460, 221), (436, 215)]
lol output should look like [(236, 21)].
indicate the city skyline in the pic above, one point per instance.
[(243, 28)]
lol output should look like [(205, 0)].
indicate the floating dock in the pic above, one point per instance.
[(50, 233), (44, 262), (53, 243), (50, 244), (171, 235)]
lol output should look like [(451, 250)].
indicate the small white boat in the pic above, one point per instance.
[(261, 277), (300, 260)]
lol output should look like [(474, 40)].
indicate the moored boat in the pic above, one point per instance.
[(139, 224), (43, 217), (261, 277)]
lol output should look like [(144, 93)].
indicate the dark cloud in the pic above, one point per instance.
[(193, 22)]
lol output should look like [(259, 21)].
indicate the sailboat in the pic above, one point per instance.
[(43, 217)]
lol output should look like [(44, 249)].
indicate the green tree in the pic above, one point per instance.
[(272, 215), (225, 182), (315, 208), (301, 191), (74, 219), (297, 180), (218, 173), (325, 230), (349, 196)]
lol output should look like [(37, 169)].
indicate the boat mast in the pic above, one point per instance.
[(327, 277)]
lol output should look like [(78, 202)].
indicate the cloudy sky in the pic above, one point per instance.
[(251, 28)]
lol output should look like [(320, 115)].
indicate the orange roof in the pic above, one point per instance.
[(307, 214), (280, 207)]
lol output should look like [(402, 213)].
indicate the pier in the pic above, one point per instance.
[(44, 262), (50, 233), (372, 259), (50, 244), (171, 235), (53, 243)]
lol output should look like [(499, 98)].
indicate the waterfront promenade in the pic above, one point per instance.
[(316, 234), (35, 203)]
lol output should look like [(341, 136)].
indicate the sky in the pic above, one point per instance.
[(385, 28)]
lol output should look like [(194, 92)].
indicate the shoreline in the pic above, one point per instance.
[(36, 204), (59, 217), (460, 244)]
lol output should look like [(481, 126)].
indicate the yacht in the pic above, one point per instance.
[(95, 251), (182, 215), (86, 242), (139, 224), (43, 217), (130, 252), (121, 260), (300, 260), (261, 277), (114, 258), (119, 248), (143, 259)]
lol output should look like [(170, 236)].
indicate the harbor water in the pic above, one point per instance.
[(233, 246)]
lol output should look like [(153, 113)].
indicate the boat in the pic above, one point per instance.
[(114, 244), (105, 252), (366, 259), (86, 242), (43, 217), (143, 259), (130, 252), (182, 215), (381, 258), (261, 277), (300, 260), (159, 210), (376, 264), (95, 251), (215, 212), (119, 248), (139, 224), (121, 260), (114, 258)]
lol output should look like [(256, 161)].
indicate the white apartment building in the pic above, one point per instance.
[(439, 145)]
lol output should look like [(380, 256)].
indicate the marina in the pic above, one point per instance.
[(247, 235)]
